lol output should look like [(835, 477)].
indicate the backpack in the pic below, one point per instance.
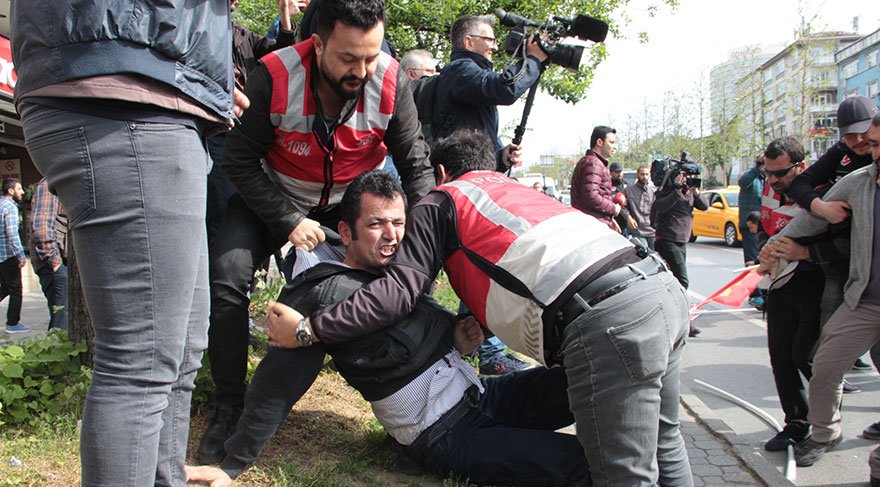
[(424, 92)]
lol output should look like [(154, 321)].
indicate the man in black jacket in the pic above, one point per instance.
[(322, 111), (469, 90)]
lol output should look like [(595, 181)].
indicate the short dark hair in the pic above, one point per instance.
[(8, 184), (876, 120), (376, 182), (600, 132), (754, 217), (465, 25), (463, 151), (356, 13), (788, 145)]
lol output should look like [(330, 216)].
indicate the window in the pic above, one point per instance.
[(850, 69), (780, 68), (872, 58), (824, 99), (873, 88), (780, 90), (851, 93), (768, 76)]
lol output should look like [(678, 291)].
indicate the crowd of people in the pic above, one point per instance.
[(204, 148)]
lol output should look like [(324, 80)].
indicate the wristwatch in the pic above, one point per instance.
[(303, 334)]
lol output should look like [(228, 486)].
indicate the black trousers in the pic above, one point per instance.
[(10, 285), (793, 313), (675, 255)]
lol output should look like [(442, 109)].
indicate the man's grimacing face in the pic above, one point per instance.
[(378, 231)]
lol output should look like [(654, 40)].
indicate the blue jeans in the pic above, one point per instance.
[(750, 244), (509, 437), (54, 286), (622, 358), (135, 196)]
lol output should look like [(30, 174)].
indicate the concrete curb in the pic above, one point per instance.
[(749, 455)]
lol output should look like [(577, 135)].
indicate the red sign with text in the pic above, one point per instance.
[(7, 70)]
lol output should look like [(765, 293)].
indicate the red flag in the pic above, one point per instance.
[(735, 292)]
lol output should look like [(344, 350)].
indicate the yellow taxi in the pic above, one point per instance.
[(721, 220)]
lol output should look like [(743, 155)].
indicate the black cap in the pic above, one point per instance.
[(615, 166), (854, 115)]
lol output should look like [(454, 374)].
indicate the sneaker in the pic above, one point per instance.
[(861, 365), (850, 388), (694, 331), (222, 426), (502, 363), (784, 438), (19, 328), (872, 432), (757, 303), (809, 451)]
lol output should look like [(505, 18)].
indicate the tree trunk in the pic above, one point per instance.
[(78, 314)]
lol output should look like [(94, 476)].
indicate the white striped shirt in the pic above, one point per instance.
[(419, 404)]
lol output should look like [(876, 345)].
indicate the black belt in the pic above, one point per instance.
[(444, 424), (608, 285)]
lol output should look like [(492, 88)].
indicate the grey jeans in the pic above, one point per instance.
[(622, 358), (135, 196)]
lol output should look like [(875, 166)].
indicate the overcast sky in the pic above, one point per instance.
[(683, 45)]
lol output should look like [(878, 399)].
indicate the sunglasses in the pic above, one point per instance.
[(781, 172)]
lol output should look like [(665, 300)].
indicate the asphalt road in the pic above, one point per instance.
[(731, 354)]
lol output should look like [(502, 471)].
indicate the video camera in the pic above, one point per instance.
[(566, 55), (664, 172)]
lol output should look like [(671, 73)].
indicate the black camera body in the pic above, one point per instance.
[(664, 172), (566, 55)]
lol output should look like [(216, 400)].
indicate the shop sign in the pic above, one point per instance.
[(10, 168), (8, 76)]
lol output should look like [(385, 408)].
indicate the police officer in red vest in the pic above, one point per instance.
[(322, 111), (552, 283)]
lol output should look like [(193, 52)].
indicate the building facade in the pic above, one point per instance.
[(858, 68)]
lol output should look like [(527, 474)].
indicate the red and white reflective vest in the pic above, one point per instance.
[(519, 235), (301, 168), (775, 215)]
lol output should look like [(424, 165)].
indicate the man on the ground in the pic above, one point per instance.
[(11, 255), (591, 189), (498, 430), (488, 231), (48, 245), (322, 112), (639, 199), (148, 84)]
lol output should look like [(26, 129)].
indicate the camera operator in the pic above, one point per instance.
[(469, 91), (673, 218)]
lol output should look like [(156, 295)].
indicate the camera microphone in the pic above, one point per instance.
[(513, 20)]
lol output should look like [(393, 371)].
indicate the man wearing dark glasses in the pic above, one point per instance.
[(322, 112)]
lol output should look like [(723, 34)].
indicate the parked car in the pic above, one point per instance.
[(630, 177), (721, 220)]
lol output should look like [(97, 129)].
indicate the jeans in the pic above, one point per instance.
[(675, 255), (792, 333), (622, 358), (220, 188), (54, 285), (749, 243), (280, 380), (10, 285), (135, 196), (509, 437)]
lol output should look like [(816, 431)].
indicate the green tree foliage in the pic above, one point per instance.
[(424, 24)]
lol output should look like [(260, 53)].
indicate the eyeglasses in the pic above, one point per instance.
[(490, 40), (781, 172)]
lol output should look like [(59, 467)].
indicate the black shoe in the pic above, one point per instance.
[(810, 451), (222, 426), (502, 363), (784, 438), (694, 331), (861, 365), (872, 432), (850, 388)]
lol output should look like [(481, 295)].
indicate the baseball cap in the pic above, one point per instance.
[(615, 166), (854, 115)]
